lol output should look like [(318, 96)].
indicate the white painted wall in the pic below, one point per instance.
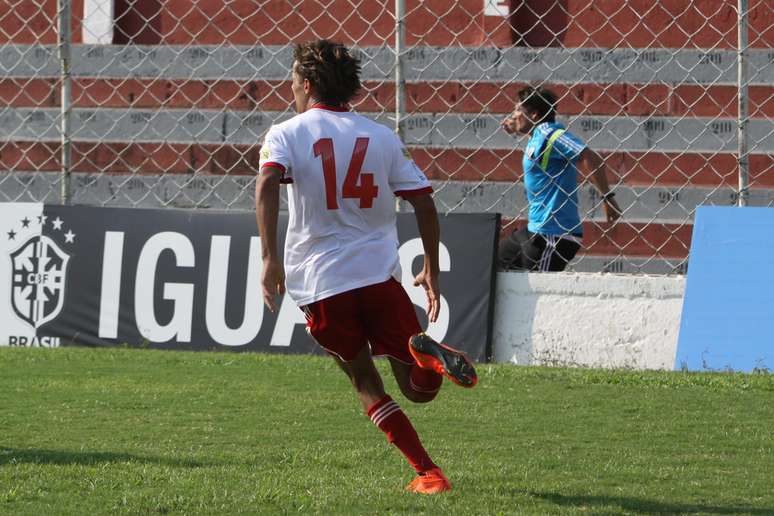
[(584, 319)]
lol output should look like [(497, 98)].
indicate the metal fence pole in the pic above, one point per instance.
[(742, 104), (400, 81), (64, 35)]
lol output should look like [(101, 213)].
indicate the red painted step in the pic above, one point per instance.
[(612, 24), (425, 97), (628, 239), (633, 169)]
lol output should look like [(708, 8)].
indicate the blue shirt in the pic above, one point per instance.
[(552, 193)]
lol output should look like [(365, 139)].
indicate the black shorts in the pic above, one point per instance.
[(523, 250)]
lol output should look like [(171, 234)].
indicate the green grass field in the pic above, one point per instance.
[(94, 431)]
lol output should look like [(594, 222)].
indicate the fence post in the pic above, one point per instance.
[(400, 81), (742, 104), (63, 46)]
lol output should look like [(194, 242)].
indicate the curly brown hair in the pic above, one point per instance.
[(332, 70)]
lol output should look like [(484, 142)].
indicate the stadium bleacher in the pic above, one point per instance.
[(176, 117)]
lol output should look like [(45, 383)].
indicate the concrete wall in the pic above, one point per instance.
[(594, 320)]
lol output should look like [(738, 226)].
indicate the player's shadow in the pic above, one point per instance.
[(639, 505), (67, 457)]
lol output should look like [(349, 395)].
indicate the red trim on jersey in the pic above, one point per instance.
[(413, 193), (275, 165), (279, 166), (326, 107)]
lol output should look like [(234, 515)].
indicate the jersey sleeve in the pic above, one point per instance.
[(406, 179), (568, 146), (275, 153)]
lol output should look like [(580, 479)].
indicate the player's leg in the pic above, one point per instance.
[(509, 252), (391, 321), (390, 419), (336, 324), (521, 250), (564, 251), (535, 251), (364, 376), (417, 384)]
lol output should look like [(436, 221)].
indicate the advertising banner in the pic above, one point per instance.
[(183, 279)]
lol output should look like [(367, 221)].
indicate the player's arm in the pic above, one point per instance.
[(593, 167), (267, 188), (430, 231)]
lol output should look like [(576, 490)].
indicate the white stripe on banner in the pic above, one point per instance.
[(109, 299)]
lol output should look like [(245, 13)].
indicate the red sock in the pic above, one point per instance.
[(424, 380), (387, 415)]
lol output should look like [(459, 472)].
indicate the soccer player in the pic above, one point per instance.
[(551, 162), (341, 250)]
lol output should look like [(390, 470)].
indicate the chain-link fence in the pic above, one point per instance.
[(165, 102)]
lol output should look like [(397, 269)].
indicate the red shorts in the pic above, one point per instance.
[(381, 314)]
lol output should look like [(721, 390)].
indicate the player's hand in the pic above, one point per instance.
[(429, 281), (273, 282), (509, 124), (612, 210)]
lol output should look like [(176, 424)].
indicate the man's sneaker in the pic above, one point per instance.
[(442, 359), (432, 482)]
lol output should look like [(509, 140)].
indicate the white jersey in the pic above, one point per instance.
[(343, 172)]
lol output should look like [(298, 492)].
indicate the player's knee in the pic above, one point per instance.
[(424, 380), (419, 396), (423, 385)]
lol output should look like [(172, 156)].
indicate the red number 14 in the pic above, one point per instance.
[(366, 190)]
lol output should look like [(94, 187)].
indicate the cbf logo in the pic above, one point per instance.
[(38, 277), (39, 271)]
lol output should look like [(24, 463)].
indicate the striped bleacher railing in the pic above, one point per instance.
[(170, 99)]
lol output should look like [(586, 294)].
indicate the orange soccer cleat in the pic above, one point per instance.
[(432, 482), (449, 362)]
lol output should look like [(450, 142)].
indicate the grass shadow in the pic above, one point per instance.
[(639, 505), (67, 457)]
